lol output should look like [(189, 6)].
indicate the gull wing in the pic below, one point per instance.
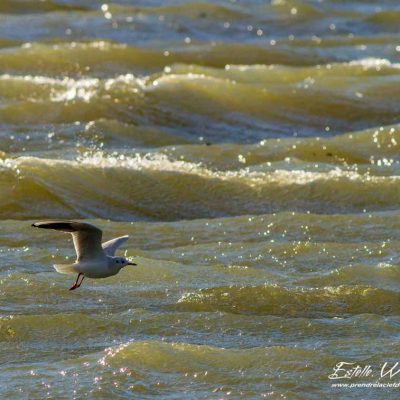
[(112, 245), (87, 238)]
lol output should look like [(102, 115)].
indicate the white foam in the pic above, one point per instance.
[(70, 89), (160, 162), (374, 63)]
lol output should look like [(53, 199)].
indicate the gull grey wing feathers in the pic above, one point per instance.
[(87, 238), (112, 245)]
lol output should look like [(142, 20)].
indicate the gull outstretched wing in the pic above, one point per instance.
[(87, 238), (112, 245)]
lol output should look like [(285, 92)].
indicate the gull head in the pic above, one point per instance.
[(121, 262)]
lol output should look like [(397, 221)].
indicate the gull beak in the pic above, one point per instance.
[(129, 263)]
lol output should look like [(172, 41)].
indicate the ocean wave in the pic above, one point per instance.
[(185, 357), (241, 96), (382, 275), (178, 189), (32, 6), (102, 57), (374, 146), (293, 302), (371, 152)]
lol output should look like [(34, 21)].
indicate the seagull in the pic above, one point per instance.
[(93, 258)]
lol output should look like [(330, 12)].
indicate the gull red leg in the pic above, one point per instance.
[(75, 285), (80, 283)]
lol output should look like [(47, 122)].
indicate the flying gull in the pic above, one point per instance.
[(93, 258)]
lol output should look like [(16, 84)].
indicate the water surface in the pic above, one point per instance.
[(251, 150)]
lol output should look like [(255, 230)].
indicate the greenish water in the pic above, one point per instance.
[(251, 151)]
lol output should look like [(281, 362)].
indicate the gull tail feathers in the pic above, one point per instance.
[(65, 268)]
